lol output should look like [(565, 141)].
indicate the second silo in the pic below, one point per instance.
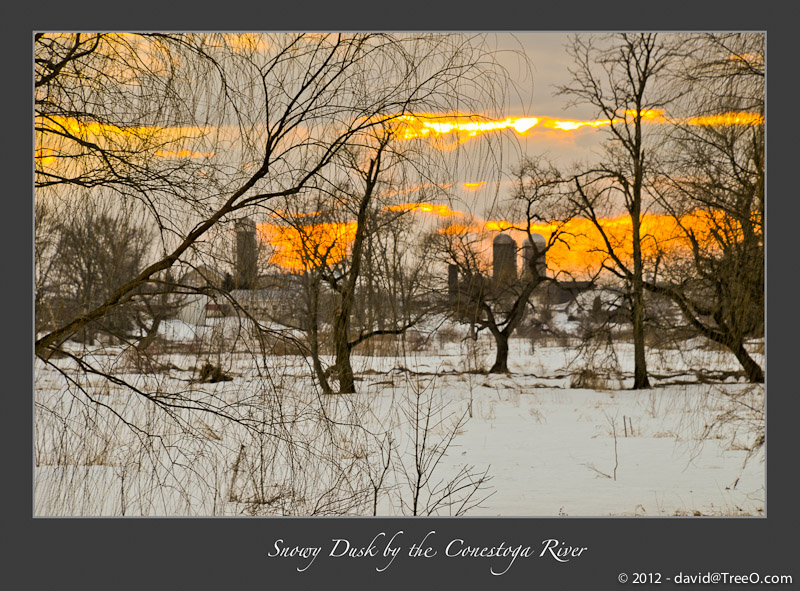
[(534, 248)]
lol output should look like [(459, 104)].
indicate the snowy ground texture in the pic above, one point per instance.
[(547, 439)]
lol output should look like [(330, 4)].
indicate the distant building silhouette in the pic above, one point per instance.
[(504, 260), (245, 255), (452, 283), (529, 252)]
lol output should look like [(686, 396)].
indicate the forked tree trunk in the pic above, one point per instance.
[(341, 323)]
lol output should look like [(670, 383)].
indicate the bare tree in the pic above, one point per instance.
[(429, 492), (123, 116), (95, 251), (263, 126), (619, 76), (399, 287), (499, 303), (352, 249), (345, 286), (713, 190)]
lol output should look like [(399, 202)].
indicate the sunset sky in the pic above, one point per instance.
[(534, 120), (537, 121)]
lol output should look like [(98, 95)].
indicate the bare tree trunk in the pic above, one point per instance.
[(628, 68), (347, 291), (152, 333), (501, 356), (640, 379), (344, 370), (752, 370), (733, 343), (313, 337)]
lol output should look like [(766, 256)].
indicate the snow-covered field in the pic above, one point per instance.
[(536, 442)]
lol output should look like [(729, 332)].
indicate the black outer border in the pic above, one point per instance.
[(231, 553)]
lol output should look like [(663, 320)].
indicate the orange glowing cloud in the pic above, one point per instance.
[(581, 249), (246, 42), (440, 210), (44, 156), (463, 127), (54, 133), (498, 225), (728, 119), (311, 245), (301, 248), (747, 57), (91, 130), (429, 125)]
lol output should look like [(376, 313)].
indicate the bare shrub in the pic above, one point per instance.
[(732, 414), (739, 420), (588, 378), (433, 428)]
